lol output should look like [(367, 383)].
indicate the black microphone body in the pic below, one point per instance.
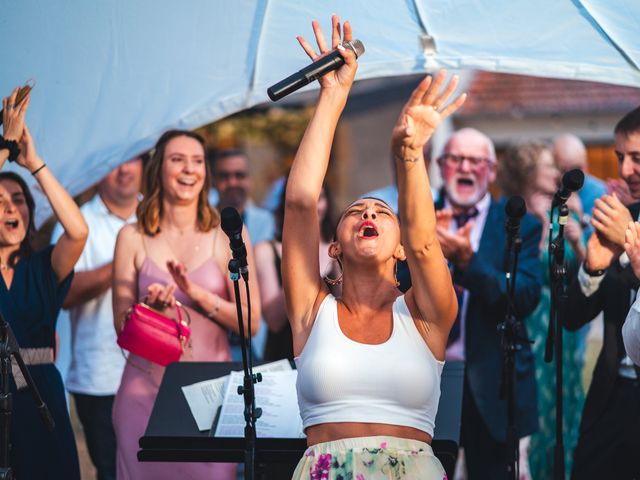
[(231, 224), (515, 210), (572, 181), (312, 72)]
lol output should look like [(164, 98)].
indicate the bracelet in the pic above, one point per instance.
[(406, 160), (12, 146), (214, 314), (592, 273), (38, 169)]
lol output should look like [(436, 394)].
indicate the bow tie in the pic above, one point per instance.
[(462, 218)]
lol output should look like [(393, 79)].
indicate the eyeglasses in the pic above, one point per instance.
[(456, 160), (224, 176)]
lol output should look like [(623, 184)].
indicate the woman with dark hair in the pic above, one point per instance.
[(369, 363), (34, 285), (268, 261), (176, 252)]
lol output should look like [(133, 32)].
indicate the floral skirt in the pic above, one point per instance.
[(370, 458)]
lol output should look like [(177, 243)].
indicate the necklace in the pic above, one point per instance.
[(193, 250)]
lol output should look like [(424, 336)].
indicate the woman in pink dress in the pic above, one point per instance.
[(176, 252)]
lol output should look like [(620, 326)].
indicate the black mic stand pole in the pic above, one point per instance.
[(511, 342), (247, 390), (9, 346), (557, 273)]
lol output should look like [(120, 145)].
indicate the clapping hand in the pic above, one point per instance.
[(13, 115), (179, 273), (456, 247), (443, 218), (600, 252), (632, 246), (610, 218)]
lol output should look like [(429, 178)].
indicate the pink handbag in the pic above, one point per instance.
[(154, 336)]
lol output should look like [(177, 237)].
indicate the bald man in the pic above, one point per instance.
[(569, 152)]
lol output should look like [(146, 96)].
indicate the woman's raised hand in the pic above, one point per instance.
[(179, 273), (422, 114), (342, 77), (28, 157), (13, 116)]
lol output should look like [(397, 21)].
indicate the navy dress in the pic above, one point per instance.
[(31, 307)]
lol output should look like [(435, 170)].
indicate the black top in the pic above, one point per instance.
[(31, 306)]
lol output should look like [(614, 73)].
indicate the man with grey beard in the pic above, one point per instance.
[(471, 231)]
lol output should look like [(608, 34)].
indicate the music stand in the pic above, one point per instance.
[(173, 436)]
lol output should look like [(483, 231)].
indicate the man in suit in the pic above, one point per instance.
[(609, 442), (472, 234)]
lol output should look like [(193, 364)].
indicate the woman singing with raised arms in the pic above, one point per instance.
[(369, 364)]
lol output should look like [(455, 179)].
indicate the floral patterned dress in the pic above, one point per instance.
[(370, 458)]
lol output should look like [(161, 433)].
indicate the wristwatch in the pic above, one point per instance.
[(10, 145), (592, 273)]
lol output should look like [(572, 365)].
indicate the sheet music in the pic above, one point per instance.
[(205, 398), (276, 395)]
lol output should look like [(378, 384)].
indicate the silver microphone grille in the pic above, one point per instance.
[(356, 45)]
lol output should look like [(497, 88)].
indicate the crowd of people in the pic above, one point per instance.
[(405, 279)]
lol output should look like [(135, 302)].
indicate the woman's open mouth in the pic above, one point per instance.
[(11, 224), (368, 230)]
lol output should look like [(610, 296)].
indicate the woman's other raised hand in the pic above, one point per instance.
[(423, 113)]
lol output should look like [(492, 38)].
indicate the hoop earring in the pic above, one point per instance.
[(333, 281), (395, 274)]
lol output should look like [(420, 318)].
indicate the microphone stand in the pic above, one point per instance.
[(9, 346), (251, 413), (557, 273), (511, 342)]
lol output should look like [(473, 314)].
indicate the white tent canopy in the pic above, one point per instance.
[(112, 75)]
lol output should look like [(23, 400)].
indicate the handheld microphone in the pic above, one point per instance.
[(231, 224), (317, 69), (515, 210), (572, 181)]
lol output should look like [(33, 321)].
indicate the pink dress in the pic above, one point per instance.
[(141, 381)]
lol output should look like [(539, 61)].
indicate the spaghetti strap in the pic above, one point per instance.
[(144, 245), (215, 241), (222, 265)]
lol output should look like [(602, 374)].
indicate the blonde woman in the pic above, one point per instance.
[(175, 252)]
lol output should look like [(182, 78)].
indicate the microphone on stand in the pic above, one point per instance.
[(317, 69), (515, 210), (231, 224), (572, 181)]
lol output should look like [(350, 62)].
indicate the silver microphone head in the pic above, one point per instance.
[(356, 46)]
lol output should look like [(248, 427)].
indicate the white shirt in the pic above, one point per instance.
[(455, 351), (631, 332), (590, 285), (96, 360)]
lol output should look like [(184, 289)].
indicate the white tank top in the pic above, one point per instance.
[(340, 380)]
